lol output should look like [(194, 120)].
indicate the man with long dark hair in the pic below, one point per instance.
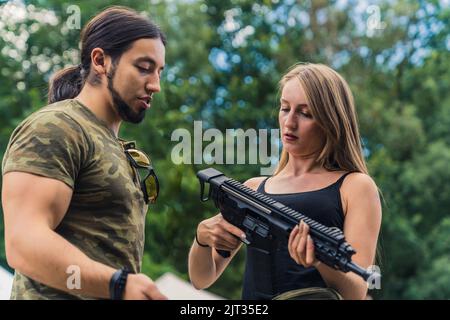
[(74, 201)]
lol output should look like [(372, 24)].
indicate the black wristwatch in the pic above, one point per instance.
[(117, 284)]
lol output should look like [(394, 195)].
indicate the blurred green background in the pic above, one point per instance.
[(224, 59)]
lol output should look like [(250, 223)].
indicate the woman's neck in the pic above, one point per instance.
[(299, 166)]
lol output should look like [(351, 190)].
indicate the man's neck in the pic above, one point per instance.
[(96, 101)]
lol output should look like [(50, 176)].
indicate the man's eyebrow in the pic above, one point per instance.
[(301, 105), (149, 60)]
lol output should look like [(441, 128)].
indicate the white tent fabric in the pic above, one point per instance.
[(178, 289), (6, 280)]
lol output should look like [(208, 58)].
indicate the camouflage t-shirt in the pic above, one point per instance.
[(106, 215)]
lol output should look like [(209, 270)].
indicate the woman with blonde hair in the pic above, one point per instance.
[(323, 175)]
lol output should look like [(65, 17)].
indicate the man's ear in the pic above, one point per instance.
[(99, 61)]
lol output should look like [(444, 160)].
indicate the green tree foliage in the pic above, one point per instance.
[(224, 61)]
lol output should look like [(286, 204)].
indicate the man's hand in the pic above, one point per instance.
[(141, 287)]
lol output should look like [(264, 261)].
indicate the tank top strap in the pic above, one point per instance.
[(262, 184), (338, 183)]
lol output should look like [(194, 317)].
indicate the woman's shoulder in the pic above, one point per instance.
[(358, 180), (254, 183), (361, 198), (357, 185)]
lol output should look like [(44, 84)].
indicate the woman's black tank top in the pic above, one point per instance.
[(272, 272)]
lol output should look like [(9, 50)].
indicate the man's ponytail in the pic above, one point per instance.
[(65, 84)]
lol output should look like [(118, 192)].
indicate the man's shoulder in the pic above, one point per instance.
[(62, 117), (65, 111), (49, 143), (51, 128)]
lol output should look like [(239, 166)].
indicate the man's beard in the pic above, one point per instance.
[(126, 113)]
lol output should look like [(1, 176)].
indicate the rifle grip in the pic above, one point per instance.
[(223, 253)]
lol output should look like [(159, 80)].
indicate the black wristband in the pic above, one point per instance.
[(117, 284), (200, 244)]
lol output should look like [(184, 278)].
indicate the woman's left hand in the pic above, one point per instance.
[(301, 246)]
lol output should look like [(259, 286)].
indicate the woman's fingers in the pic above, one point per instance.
[(227, 234), (296, 243), (221, 234), (310, 255), (221, 241), (292, 236), (301, 248), (224, 240), (225, 247), (301, 245), (231, 229)]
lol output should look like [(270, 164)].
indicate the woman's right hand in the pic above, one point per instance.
[(217, 233)]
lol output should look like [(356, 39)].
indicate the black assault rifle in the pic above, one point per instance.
[(260, 216)]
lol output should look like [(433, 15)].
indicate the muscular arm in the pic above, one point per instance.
[(33, 207), (205, 264), (361, 227)]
